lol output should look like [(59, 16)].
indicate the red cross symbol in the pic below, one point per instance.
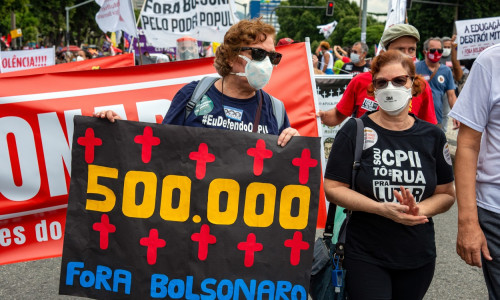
[(153, 243), (202, 157), (296, 244), (304, 163), (104, 229), (89, 142), (259, 153), (204, 238), (148, 141), (250, 247)]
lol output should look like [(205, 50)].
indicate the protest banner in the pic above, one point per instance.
[(175, 212), (164, 21), (26, 59), (473, 36), (117, 61), (36, 125)]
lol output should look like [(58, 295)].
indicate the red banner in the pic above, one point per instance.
[(36, 130), (117, 61)]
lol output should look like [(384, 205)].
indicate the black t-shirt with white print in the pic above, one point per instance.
[(418, 159)]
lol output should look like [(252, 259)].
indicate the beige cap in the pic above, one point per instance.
[(396, 31)]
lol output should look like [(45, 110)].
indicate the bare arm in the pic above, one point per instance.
[(331, 117), (340, 194), (337, 55), (470, 238), (442, 199), (457, 70), (452, 98)]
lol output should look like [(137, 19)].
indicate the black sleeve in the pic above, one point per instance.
[(444, 169), (339, 166), (176, 112)]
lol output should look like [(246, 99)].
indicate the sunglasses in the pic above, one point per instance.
[(381, 83), (260, 54), (440, 51)]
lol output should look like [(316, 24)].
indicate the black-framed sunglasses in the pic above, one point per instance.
[(259, 54), (440, 51), (381, 83)]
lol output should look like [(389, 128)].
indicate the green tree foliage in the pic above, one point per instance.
[(298, 23), (45, 20), (439, 20), (373, 35)]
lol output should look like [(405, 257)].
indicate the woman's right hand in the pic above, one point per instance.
[(107, 114), (401, 214)]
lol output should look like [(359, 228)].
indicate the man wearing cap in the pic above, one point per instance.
[(439, 76), (356, 102)]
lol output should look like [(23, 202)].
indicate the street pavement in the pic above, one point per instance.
[(453, 278)]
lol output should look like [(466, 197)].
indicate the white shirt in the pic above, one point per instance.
[(478, 107)]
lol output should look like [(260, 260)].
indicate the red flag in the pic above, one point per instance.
[(9, 39)]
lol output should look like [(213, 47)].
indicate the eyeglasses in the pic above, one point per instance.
[(259, 54), (381, 83), (440, 51)]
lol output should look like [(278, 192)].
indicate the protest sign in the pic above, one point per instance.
[(473, 36), (177, 212), (36, 125), (164, 21), (117, 61), (26, 59)]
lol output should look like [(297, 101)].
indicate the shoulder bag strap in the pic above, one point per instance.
[(201, 89)]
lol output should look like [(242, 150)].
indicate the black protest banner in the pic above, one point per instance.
[(161, 211)]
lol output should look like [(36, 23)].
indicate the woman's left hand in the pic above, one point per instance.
[(286, 135), (406, 198)]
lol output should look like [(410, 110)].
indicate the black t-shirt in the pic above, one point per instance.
[(418, 159), (353, 69)]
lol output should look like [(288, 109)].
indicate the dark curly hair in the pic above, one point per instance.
[(245, 32), (395, 56)]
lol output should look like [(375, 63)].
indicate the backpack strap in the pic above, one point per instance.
[(201, 89), (278, 111)]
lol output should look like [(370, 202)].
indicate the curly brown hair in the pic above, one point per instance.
[(395, 56), (245, 32)]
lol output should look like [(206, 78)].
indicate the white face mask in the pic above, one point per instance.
[(446, 52), (354, 58), (393, 100), (258, 73)]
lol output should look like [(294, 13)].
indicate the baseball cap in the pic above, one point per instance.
[(396, 31), (285, 41)]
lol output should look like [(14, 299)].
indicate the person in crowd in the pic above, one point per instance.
[(405, 179), (358, 64), (439, 76), (342, 58), (315, 62), (477, 163), (450, 60), (245, 61), (355, 100), (327, 58)]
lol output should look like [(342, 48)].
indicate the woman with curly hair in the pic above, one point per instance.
[(245, 61), (405, 179), (236, 101)]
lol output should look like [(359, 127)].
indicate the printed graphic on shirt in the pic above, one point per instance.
[(395, 168), (369, 104), (371, 138), (233, 113), (348, 67), (446, 154), (203, 107), (441, 79), (221, 122)]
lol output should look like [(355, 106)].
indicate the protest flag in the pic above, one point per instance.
[(116, 15)]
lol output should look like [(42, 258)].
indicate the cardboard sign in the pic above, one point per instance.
[(164, 211), (473, 36)]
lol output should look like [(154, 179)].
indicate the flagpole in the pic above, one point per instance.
[(136, 25)]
